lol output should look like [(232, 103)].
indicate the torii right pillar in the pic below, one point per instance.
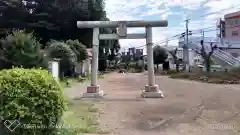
[(152, 89)]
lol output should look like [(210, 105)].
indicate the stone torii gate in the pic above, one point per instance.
[(151, 90)]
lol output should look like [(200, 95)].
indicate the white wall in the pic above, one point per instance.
[(53, 67), (180, 53), (192, 55), (84, 67), (78, 67)]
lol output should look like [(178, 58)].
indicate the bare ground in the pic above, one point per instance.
[(189, 108)]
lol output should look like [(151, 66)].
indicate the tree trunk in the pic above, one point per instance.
[(208, 65), (116, 62), (177, 67), (166, 66)]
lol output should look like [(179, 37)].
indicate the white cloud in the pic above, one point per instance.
[(164, 16), (133, 10), (188, 4), (154, 11), (221, 7), (126, 10), (217, 5), (217, 10)]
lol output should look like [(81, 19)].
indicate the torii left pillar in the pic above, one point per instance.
[(151, 89), (94, 89)]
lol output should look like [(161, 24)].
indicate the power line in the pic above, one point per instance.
[(173, 37), (169, 39), (198, 31), (234, 6), (230, 8), (176, 36), (203, 28), (160, 42)]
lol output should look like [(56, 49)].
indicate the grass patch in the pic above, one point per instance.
[(81, 117), (68, 82), (101, 77), (230, 77), (167, 72), (82, 79)]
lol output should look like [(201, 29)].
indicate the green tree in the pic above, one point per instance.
[(176, 60), (55, 19), (51, 19), (79, 49), (21, 49), (65, 54), (159, 55)]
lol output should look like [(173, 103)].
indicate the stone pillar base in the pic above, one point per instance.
[(93, 92), (152, 92)]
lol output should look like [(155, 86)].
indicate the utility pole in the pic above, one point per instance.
[(187, 21), (221, 34), (185, 49), (166, 42), (222, 31), (203, 35)]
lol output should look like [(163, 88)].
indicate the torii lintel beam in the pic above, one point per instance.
[(114, 24)]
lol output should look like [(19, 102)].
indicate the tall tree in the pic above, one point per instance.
[(176, 60), (206, 54), (55, 19), (51, 19), (68, 58), (79, 49), (159, 55)]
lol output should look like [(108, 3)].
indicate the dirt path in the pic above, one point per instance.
[(189, 108)]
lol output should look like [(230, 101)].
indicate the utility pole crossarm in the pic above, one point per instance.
[(114, 24)]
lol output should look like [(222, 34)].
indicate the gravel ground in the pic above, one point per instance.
[(188, 108)]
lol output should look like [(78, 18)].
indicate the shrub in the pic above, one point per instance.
[(34, 98), (181, 75), (21, 49), (166, 72), (214, 77), (172, 72)]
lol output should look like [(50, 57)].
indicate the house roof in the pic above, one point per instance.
[(231, 15), (89, 52)]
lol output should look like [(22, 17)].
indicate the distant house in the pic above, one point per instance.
[(85, 66)]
